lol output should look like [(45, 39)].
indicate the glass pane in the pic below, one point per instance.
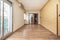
[(7, 19), (0, 18)]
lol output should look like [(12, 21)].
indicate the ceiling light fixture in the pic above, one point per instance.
[(21, 5)]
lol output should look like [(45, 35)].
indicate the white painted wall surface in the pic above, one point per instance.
[(18, 16)]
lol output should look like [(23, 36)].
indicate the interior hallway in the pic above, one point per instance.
[(32, 32)]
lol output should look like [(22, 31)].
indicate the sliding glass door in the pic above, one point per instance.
[(7, 18), (0, 18)]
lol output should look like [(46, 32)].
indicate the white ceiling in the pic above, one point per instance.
[(33, 4)]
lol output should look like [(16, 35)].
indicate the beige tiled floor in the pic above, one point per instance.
[(33, 32)]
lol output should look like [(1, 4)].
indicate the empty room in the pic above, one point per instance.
[(29, 19)]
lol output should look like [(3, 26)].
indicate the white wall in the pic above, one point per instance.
[(18, 16)]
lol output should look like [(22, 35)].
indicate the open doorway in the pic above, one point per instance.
[(31, 18), (35, 18)]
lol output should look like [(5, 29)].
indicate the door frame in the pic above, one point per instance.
[(57, 19)]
